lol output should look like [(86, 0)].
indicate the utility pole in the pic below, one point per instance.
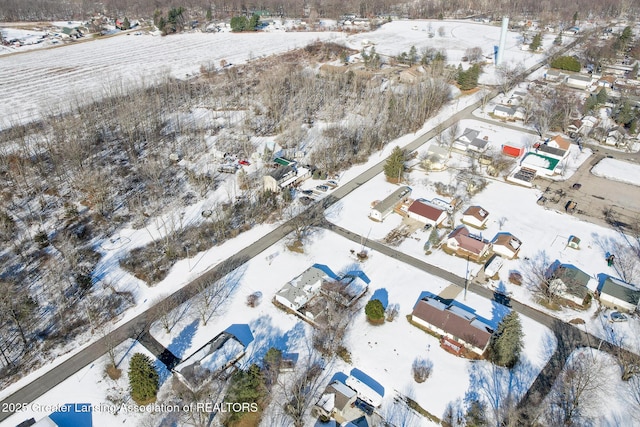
[(466, 280)]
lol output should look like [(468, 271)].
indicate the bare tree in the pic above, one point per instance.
[(573, 400), (627, 261), (474, 54), (301, 391), (212, 295), (509, 76)]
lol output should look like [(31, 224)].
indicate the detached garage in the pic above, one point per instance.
[(512, 150)]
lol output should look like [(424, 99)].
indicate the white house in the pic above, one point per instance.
[(570, 283), (504, 112), (578, 81), (383, 208), (475, 216), (506, 245), (437, 157), (302, 288)]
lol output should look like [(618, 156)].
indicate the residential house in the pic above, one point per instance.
[(618, 294), (437, 157), (468, 245), (462, 142), (504, 112), (383, 208), (475, 216), (554, 75), (559, 142), (412, 74), (616, 137), (453, 321), (578, 81), (335, 401), (299, 291), (607, 82), (478, 145), (588, 124), (506, 245), (550, 151), (214, 357), (368, 390), (427, 213), (285, 177), (569, 282)]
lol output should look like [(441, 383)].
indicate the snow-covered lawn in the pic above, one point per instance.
[(618, 170), (110, 399)]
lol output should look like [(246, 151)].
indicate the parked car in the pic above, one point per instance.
[(244, 163), (322, 188), (332, 184), (307, 192), (616, 316)]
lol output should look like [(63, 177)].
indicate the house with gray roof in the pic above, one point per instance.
[(299, 291), (618, 294), (569, 282), (383, 208)]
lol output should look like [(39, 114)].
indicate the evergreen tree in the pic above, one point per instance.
[(566, 63), (468, 79), (253, 22), (239, 23), (143, 379), (602, 96), (246, 387), (413, 55), (558, 40), (475, 415), (209, 14), (536, 42), (126, 24), (575, 18), (394, 165), (625, 113), (507, 342), (374, 310), (590, 103)]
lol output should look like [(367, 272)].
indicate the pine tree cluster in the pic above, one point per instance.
[(507, 341), (143, 379)]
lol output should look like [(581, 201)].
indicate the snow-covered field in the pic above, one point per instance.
[(457, 36), (35, 82), (618, 170)]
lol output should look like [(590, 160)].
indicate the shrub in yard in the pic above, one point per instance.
[(421, 369), (392, 312), (143, 379), (254, 299), (374, 311), (344, 354)]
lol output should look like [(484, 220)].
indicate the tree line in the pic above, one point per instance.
[(552, 10)]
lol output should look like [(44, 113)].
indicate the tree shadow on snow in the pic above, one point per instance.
[(182, 342)]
